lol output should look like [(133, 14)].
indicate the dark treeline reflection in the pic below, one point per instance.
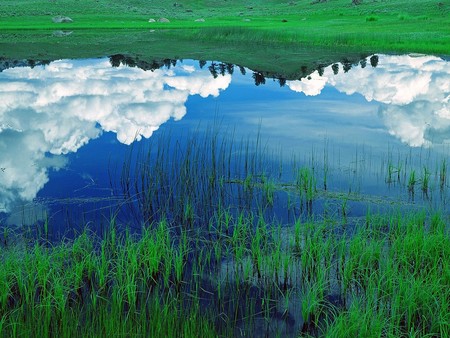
[(11, 63), (222, 68), (215, 68), (130, 61)]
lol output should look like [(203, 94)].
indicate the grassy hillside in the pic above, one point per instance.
[(231, 31), (186, 9)]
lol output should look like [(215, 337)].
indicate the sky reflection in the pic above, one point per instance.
[(55, 110), (48, 113), (413, 92)]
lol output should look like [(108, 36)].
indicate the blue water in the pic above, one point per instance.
[(67, 127)]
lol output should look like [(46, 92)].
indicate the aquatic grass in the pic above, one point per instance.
[(360, 320), (412, 181), (306, 183), (380, 272), (298, 236), (425, 181), (313, 301), (345, 207), (443, 175), (394, 171), (231, 264), (269, 188), (258, 247), (202, 178)]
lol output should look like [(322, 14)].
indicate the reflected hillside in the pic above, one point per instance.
[(217, 68), (297, 70)]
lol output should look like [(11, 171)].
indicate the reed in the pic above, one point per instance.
[(443, 175), (425, 180), (412, 181)]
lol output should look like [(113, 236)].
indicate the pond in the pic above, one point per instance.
[(254, 176), (65, 125)]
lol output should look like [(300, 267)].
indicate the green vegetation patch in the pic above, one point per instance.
[(371, 26), (389, 278)]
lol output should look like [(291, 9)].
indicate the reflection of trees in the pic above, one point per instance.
[(120, 59), (281, 81), (374, 61), (320, 70), (346, 66), (335, 68), (259, 78), (32, 63), (221, 68), (230, 68), (213, 70), (170, 63), (129, 61), (8, 63), (304, 70), (363, 63), (116, 60)]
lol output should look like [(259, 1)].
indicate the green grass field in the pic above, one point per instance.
[(257, 34)]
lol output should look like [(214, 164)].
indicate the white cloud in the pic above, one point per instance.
[(310, 86), (58, 109), (413, 91)]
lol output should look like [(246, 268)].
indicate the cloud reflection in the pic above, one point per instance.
[(414, 93), (57, 109)]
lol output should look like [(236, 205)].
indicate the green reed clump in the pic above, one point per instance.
[(400, 272), (412, 181), (425, 180), (394, 172), (306, 183), (95, 287), (360, 320), (443, 175), (269, 188)]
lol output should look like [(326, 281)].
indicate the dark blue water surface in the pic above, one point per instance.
[(66, 129)]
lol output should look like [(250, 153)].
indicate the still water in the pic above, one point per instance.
[(66, 127)]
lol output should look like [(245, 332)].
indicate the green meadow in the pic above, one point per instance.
[(274, 36)]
